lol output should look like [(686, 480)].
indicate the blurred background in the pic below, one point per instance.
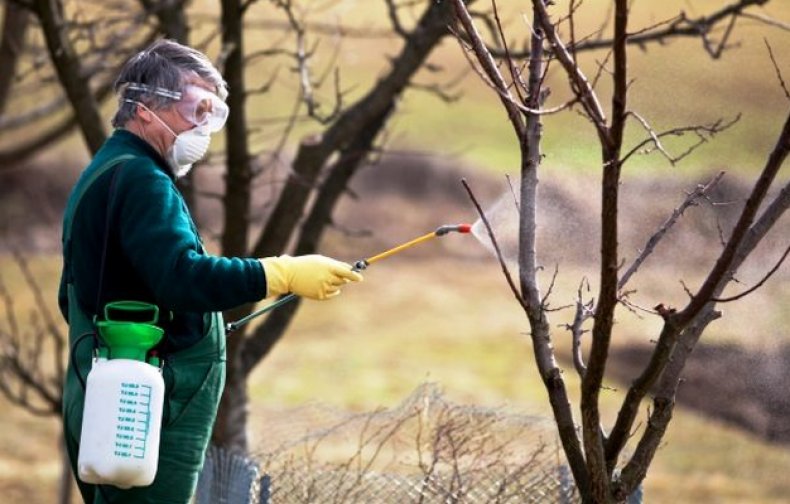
[(442, 312)]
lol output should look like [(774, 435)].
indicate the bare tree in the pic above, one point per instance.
[(32, 360), (318, 175), (70, 63), (601, 471)]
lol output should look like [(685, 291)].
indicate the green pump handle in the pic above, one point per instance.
[(130, 339), (133, 308)]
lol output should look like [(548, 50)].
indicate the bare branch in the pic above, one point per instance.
[(489, 66), (22, 120), (681, 26), (724, 263), (776, 68), (492, 235), (437, 90), (24, 378), (584, 311), (691, 199), (703, 132), (515, 75), (392, 10), (766, 20), (579, 83), (758, 284), (715, 52)]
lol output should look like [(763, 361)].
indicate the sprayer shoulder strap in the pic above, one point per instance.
[(101, 170), (68, 224)]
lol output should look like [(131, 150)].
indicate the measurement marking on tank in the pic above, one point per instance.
[(143, 419), (134, 415)]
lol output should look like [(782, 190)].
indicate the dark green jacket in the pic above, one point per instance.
[(154, 253)]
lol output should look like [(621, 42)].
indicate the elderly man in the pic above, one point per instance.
[(128, 236)]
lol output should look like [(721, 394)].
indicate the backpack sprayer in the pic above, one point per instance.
[(360, 265)]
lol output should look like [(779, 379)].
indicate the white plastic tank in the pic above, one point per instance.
[(121, 423)]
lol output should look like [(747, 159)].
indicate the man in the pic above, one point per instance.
[(128, 236)]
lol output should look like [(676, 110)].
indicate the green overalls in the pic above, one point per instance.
[(153, 254)]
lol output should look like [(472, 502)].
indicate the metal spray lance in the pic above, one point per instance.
[(360, 265)]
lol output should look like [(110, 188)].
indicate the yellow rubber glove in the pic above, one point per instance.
[(311, 276)]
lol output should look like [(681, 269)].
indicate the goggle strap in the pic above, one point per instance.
[(159, 91)]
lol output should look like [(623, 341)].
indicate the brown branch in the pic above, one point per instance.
[(584, 311), (715, 52), (22, 370), (682, 26), (691, 200), (495, 243), (757, 285), (12, 157), (670, 378), (69, 69), (489, 66), (776, 69), (611, 144), (724, 263), (579, 83), (44, 110), (693, 320), (397, 27), (703, 132)]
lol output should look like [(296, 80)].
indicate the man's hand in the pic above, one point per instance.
[(311, 276)]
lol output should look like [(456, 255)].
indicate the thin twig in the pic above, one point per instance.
[(757, 285), (703, 132), (584, 311), (494, 242), (691, 199), (776, 68)]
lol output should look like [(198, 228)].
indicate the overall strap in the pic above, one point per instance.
[(101, 170), (69, 220)]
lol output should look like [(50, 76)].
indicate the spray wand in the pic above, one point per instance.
[(360, 265)]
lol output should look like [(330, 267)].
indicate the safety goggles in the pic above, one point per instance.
[(201, 107), (197, 105)]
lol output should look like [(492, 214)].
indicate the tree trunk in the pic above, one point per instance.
[(230, 430), (69, 71), (173, 25), (365, 117), (15, 23)]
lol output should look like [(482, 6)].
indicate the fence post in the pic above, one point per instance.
[(567, 486), (227, 478), (266, 489)]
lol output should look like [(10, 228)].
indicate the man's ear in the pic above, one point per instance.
[(143, 113)]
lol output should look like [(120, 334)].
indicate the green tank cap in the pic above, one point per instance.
[(128, 329)]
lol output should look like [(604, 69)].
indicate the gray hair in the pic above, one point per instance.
[(157, 75)]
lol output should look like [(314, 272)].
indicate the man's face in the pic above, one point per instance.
[(174, 117)]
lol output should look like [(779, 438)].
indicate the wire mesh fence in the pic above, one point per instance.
[(426, 450)]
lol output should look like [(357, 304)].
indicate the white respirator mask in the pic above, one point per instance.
[(188, 148), (206, 112)]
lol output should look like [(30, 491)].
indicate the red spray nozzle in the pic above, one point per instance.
[(459, 228)]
